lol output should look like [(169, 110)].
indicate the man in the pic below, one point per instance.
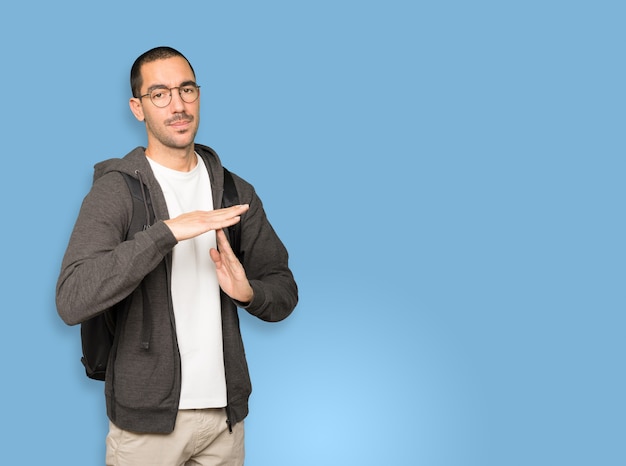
[(177, 382)]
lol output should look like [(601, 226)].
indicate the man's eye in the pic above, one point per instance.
[(188, 90)]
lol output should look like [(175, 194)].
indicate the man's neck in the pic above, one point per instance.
[(182, 160)]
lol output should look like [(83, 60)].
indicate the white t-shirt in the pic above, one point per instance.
[(195, 292)]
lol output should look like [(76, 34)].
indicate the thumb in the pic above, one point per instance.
[(215, 256)]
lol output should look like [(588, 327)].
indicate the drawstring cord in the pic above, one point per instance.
[(146, 326)]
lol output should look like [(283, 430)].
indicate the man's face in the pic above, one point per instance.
[(175, 125)]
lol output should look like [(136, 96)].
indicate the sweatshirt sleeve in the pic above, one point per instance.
[(266, 262), (100, 268)]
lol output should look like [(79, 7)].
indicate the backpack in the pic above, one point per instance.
[(97, 333)]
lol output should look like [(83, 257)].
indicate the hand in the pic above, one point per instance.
[(195, 223), (230, 273)]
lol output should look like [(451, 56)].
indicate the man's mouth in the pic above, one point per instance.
[(180, 123), (182, 120)]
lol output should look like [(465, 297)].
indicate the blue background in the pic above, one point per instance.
[(447, 176)]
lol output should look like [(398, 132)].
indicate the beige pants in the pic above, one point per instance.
[(200, 438)]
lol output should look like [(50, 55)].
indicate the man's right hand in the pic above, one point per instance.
[(195, 223)]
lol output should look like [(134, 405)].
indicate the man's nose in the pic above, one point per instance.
[(177, 102)]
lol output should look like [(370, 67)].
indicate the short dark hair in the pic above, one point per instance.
[(157, 53)]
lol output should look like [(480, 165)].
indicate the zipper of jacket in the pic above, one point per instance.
[(176, 350), (228, 421)]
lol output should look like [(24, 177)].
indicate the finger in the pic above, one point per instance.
[(230, 215), (222, 242), (215, 257), (236, 209)]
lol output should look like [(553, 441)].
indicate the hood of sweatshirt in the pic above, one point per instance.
[(132, 162)]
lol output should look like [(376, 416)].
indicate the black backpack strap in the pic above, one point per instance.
[(143, 214), (143, 217), (231, 198)]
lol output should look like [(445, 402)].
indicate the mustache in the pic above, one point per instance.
[(179, 117)]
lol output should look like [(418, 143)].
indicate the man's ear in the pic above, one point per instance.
[(136, 108)]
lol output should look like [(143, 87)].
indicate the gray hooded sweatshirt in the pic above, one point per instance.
[(102, 269)]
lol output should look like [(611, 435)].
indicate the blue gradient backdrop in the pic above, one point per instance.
[(448, 177)]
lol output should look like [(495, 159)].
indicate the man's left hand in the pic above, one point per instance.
[(230, 273)]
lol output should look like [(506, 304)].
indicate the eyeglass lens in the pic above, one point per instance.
[(162, 97)]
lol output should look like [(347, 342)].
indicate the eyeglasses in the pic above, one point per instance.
[(162, 96)]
